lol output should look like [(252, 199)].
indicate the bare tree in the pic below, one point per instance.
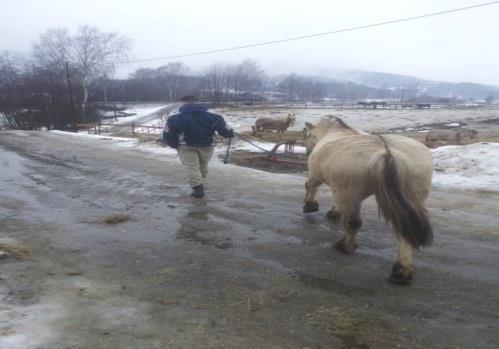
[(251, 77), (172, 74), (91, 52), (216, 78)]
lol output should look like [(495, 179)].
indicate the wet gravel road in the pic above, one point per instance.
[(242, 269)]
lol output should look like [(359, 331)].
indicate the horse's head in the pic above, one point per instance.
[(328, 124), (310, 137)]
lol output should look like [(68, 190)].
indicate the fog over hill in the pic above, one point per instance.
[(379, 80)]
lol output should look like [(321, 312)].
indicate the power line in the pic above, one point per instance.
[(309, 36)]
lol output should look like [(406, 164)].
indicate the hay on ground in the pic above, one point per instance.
[(116, 219), (14, 249)]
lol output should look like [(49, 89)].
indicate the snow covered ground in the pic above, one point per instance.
[(473, 166), (368, 120), (244, 146), (151, 148), (141, 111), (469, 167)]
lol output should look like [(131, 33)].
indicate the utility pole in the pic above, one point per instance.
[(73, 116)]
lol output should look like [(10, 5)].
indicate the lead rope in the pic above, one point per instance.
[(253, 144), (227, 152)]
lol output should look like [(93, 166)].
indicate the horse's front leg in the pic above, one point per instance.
[(402, 270), (311, 186)]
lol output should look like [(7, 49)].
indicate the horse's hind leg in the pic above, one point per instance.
[(333, 213), (349, 208), (402, 270), (311, 205)]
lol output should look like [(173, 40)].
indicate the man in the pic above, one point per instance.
[(191, 133)]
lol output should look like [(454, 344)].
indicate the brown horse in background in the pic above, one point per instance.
[(271, 124), (450, 136), (356, 165)]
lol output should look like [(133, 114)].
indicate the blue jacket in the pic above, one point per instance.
[(196, 125)]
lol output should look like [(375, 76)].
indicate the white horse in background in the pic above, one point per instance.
[(356, 165)]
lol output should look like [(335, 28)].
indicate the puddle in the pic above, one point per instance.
[(191, 234), (331, 285), (350, 342)]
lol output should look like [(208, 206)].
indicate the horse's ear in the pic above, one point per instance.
[(309, 125)]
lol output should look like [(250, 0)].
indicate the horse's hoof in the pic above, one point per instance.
[(311, 207), (333, 214), (401, 275), (341, 246)]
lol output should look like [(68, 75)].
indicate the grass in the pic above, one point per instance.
[(116, 219), (15, 250)]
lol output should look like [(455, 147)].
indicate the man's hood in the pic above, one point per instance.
[(192, 108)]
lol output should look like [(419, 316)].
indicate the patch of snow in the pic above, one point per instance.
[(368, 120), (30, 326), (453, 124), (122, 142), (3, 121), (119, 141), (140, 111), (245, 146), (20, 133), (473, 166)]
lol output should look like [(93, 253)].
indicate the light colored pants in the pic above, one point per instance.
[(195, 161)]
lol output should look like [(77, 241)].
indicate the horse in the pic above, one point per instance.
[(263, 124), (376, 104), (356, 165), (452, 136), (423, 105)]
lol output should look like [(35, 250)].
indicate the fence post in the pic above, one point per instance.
[(98, 127), (70, 89), (133, 129)]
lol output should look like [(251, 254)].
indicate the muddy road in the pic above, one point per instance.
[(242, 269)]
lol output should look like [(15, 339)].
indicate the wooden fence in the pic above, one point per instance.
[(133, 129)]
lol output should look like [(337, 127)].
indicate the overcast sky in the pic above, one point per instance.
[(457, 47)]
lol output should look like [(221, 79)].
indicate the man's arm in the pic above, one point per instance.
[(171, 133), (222, 128)]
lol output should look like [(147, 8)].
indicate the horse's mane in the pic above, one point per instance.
[(342, 123)]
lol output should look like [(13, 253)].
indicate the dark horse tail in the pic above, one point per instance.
[(401, 208)]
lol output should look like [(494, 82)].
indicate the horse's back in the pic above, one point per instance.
[(349, 160), (412, 157)]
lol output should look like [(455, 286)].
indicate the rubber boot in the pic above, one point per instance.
[(197, 191)]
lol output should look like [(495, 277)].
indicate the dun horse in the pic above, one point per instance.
[(263, 124), (452, 136), (356, 165)]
